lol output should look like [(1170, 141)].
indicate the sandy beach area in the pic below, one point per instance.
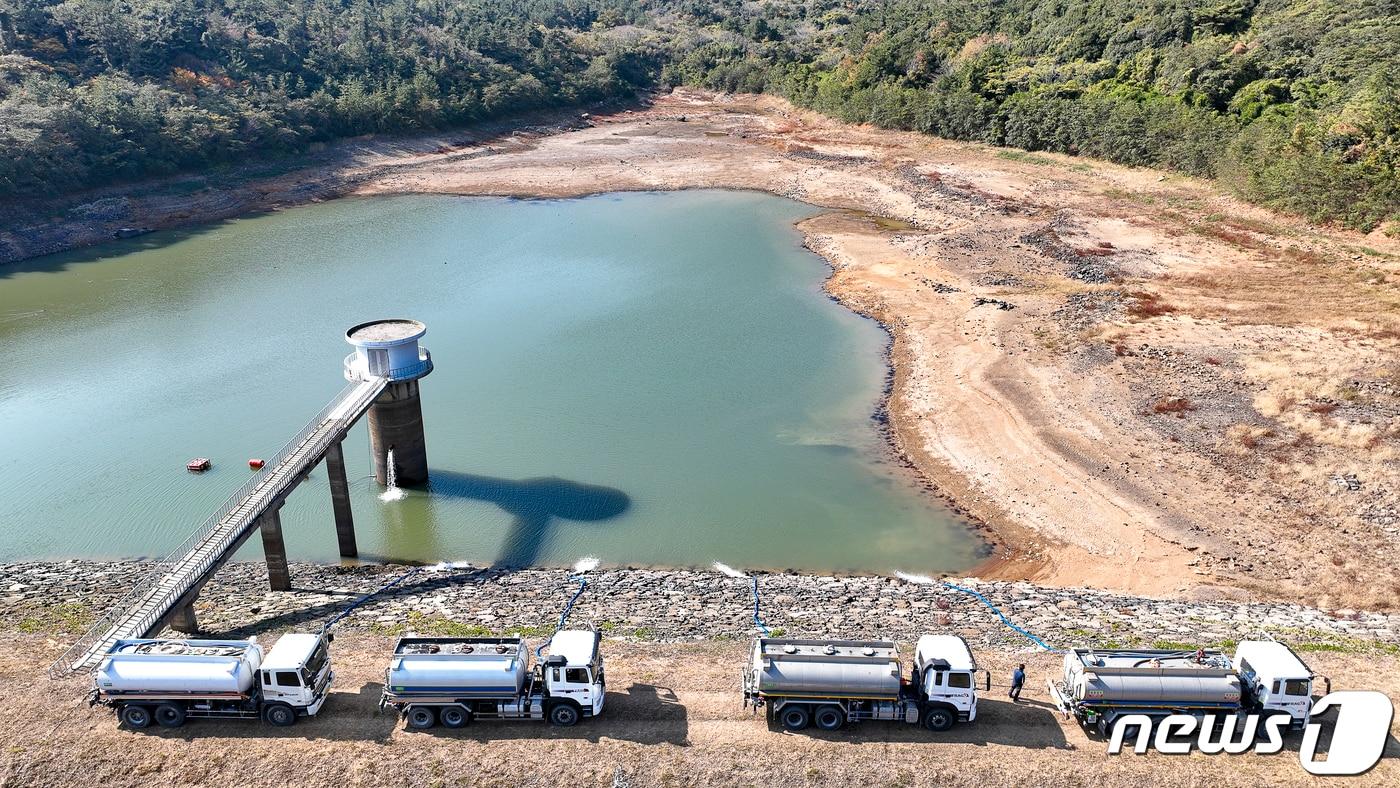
[(1131, 380)]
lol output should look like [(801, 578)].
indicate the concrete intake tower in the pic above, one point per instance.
[(389, 349)]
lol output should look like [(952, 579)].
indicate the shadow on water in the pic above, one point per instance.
[(537, 505)]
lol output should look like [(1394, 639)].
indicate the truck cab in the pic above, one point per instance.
[(946, 674), (1276, 680), (294, 678), (573, 675)]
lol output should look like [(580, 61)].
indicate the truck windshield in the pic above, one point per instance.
[(960, 680), (314, 663), (1296, 687)]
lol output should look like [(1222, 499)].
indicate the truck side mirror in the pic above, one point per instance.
[(988, 675)]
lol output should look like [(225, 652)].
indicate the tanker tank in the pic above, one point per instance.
[(458, 666), (869, 669), (1151, 676), (185, 667)]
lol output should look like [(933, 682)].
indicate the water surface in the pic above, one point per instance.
[(648, 378)]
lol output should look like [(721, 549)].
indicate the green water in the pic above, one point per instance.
[(646, 378)]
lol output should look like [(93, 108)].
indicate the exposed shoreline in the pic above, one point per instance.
[(683, 605), (1074, 345)]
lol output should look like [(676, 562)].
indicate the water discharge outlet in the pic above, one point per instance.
[(392, 491)]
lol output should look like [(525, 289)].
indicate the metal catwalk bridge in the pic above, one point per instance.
[(173, 582)]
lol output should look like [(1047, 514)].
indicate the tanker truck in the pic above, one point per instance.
[(453, 680), (1265, 678), (830, 683), (169, 681)]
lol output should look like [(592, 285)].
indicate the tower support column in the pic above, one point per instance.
[(279, 578), (340, 501), (182, 619), (396, 423)]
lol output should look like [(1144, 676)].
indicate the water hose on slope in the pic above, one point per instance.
[(758, 620), (367, 597), (564, 616), (1000, 615)]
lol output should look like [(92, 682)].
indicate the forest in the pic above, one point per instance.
[(1290, 103)]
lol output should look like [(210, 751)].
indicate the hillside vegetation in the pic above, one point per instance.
[(1293, 103), (99, 90)]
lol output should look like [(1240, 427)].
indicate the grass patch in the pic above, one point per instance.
[(1127, 196), (441, 626), (1174, 645), (1143, 305), (67, 617), (1176, 406)]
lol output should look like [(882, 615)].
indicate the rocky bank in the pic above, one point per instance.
[(650, 604)]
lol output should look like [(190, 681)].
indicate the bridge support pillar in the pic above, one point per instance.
[(396, 423), (182, 619), (340, 501), (278, 576)]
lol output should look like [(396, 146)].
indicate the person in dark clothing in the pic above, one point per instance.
[(1018, 679)]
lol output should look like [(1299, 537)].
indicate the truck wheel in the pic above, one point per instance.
[(795, 718), (281, 716), (454, 717), (939, 719), (168, 715), (135, 717), (421, 718), (564, 715), (829, 718)]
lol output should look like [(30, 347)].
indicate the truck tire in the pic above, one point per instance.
[(454, 716), (280, 715), (939, 719), (170, 715), (564, 715), (829, 718), (135, 717), (795, 718), (421, 718)]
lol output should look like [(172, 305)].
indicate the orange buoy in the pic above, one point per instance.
[(255, 463)]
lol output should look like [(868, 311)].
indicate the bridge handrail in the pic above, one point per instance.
[(160, 569)]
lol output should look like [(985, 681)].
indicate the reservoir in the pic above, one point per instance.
[(651, 379)]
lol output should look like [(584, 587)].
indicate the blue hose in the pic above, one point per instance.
[(564, 616), (367, 597), (1000, 615), (757, 620)]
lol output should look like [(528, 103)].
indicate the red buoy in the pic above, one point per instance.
[(255, 463)]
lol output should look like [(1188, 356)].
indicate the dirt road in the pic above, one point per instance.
[(673, 718)]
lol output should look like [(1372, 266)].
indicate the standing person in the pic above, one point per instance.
[(1018, 679)]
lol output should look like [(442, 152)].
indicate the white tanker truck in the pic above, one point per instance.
[(1264, 678), (169, 681), (453, 680), (832, 682)]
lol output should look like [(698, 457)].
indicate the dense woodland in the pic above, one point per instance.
[(1291, 102)]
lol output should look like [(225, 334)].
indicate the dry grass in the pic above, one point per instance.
[(1143, 305), (1177, 406)]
